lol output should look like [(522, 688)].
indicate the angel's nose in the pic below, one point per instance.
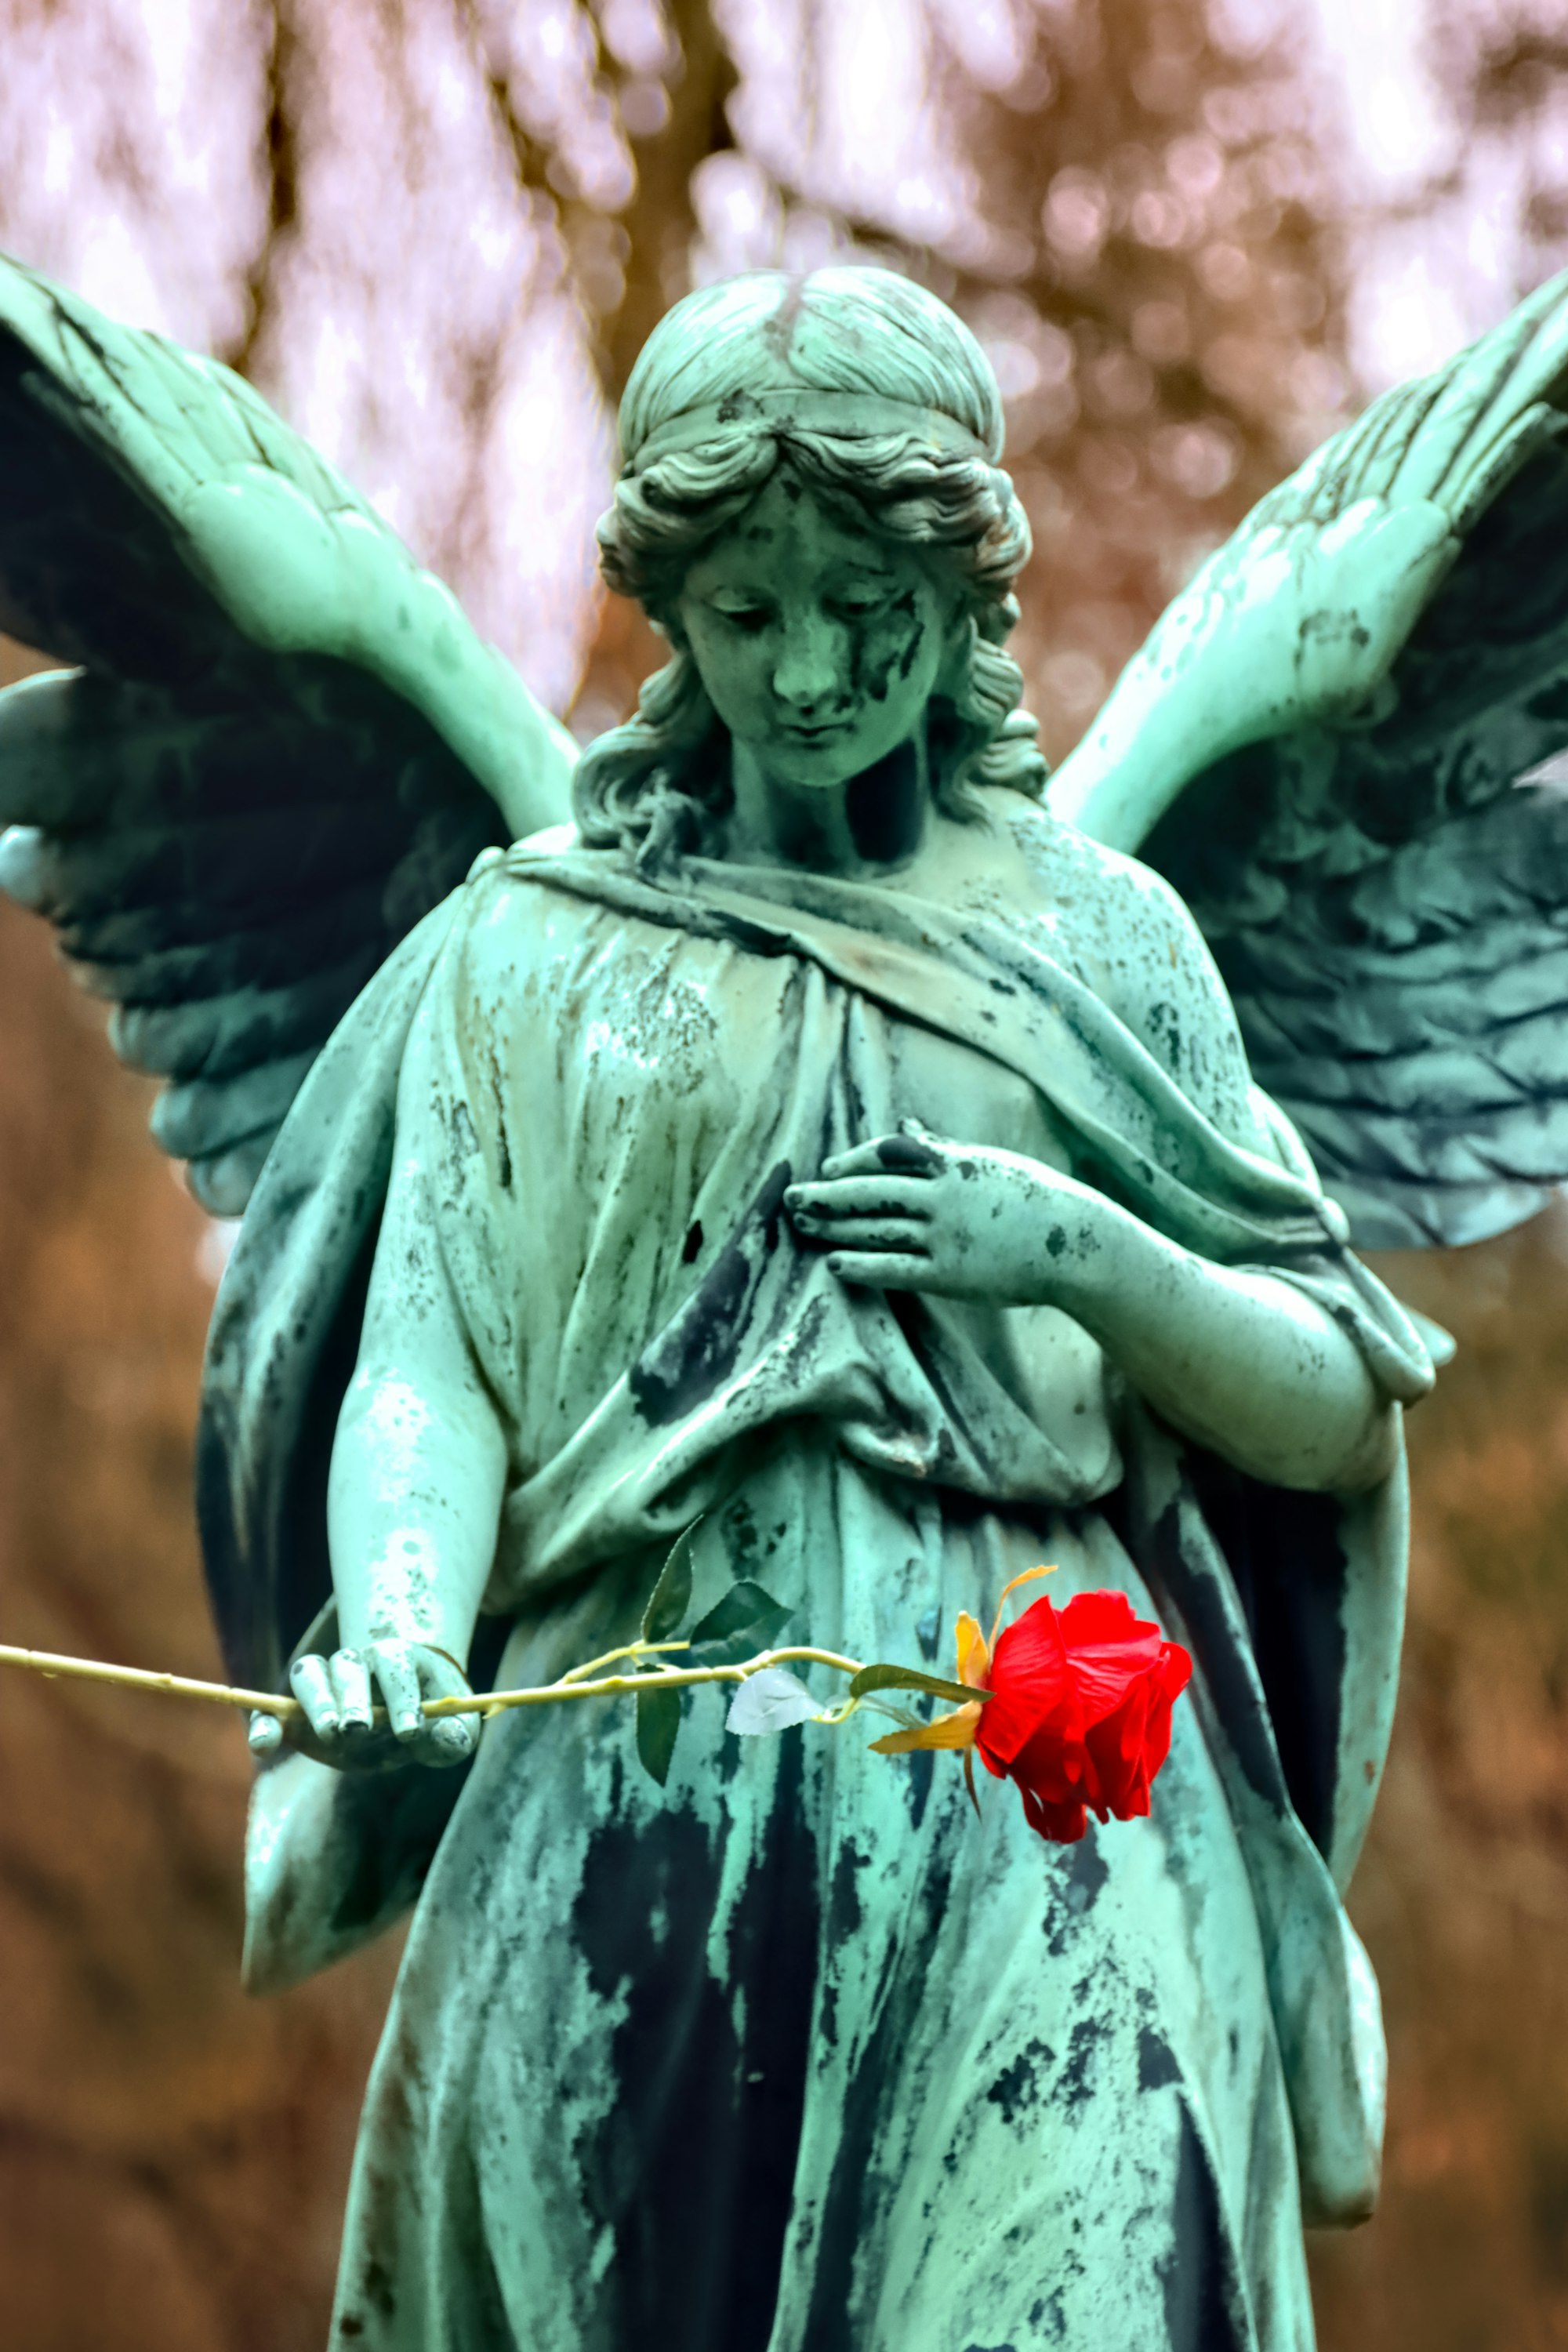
[(807, 677)]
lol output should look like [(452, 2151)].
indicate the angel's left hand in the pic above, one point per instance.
[(913, 1211)]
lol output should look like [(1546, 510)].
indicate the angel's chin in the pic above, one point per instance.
[(823, 762)]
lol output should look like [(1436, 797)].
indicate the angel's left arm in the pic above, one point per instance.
[(1246, 1363), (1237, 1358)]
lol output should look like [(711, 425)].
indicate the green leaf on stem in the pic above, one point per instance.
[(658, 1721), (671, 1596), (743, 1620), (770, 1701), (877, 1678)]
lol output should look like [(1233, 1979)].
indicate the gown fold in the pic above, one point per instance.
[(792, 2054)]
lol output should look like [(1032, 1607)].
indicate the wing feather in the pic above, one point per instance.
[(224, 1181), (197, 1120), (218, 1037), (279, 744)]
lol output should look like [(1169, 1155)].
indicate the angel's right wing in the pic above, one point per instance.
[(281, 745)]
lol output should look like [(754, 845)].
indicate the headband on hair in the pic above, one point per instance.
[(851, 416)]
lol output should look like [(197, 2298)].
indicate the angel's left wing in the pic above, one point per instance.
[(1386, 896), (280, 743)]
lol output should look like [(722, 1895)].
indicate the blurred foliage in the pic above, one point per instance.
[(1463, 1893), (1503, 65), (1164, 311)]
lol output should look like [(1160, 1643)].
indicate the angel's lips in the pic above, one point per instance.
[(1080, 1715)]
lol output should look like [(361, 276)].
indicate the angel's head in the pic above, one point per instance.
[(811, 510)]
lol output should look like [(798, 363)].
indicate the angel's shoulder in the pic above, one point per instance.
[(497, 974), (508, 915), (1130, 936), (1122, 924)]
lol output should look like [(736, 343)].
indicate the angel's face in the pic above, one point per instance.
[(819, 645)]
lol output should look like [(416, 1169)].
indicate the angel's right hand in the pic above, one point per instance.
[(337, 1696)]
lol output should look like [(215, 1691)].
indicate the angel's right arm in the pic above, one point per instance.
[(420, 1458), (419, 1462)]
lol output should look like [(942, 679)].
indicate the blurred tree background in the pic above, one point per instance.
[(1193, 236)]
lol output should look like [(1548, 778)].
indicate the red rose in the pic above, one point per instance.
[(1078, 1713)]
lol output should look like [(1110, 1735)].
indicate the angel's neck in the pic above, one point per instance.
[(877, 823)]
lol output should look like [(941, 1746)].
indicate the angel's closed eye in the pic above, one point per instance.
[(744, 617), (740, 612)]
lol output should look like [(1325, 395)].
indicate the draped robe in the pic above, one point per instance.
[(793, 2053)]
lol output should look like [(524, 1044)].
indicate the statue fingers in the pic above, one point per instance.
[(908, 1153), (861, 1160), (311, 1681), (409, 1672), (452, 1738), (397, 1670), (265, 1735), (351, 1682), (884, 1269), (860, 1196), (907, 1235)]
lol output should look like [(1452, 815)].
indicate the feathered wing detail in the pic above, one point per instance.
[(1387, 899), (1413, 1020), (282, 744)]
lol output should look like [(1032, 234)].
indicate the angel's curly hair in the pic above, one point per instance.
[(650, 784)]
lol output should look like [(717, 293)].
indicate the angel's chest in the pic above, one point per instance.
[(700, 1058)]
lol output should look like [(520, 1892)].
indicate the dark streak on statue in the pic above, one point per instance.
[(697, 2152), (899, 635), (875, 2086), (1206, 2310), (701, 1345), (883, 805)]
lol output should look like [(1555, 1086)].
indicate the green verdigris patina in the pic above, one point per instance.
[(826, 1133)]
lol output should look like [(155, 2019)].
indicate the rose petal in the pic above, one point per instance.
[(1100, 1617), (1109, 1650), (1054, 1766), (1058, 1824), (1157, 1737), (1115, 1751), (1029, 1685), (1081, 1712), (1175, 1668)]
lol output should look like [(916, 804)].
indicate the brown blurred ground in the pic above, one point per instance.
[(173, 2158), (1463, 1894)]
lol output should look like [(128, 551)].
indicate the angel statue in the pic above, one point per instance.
[(795, 1115)]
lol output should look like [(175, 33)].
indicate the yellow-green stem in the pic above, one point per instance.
[(90, 1670)]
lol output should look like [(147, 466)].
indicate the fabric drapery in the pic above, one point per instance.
[(640, 1067)]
